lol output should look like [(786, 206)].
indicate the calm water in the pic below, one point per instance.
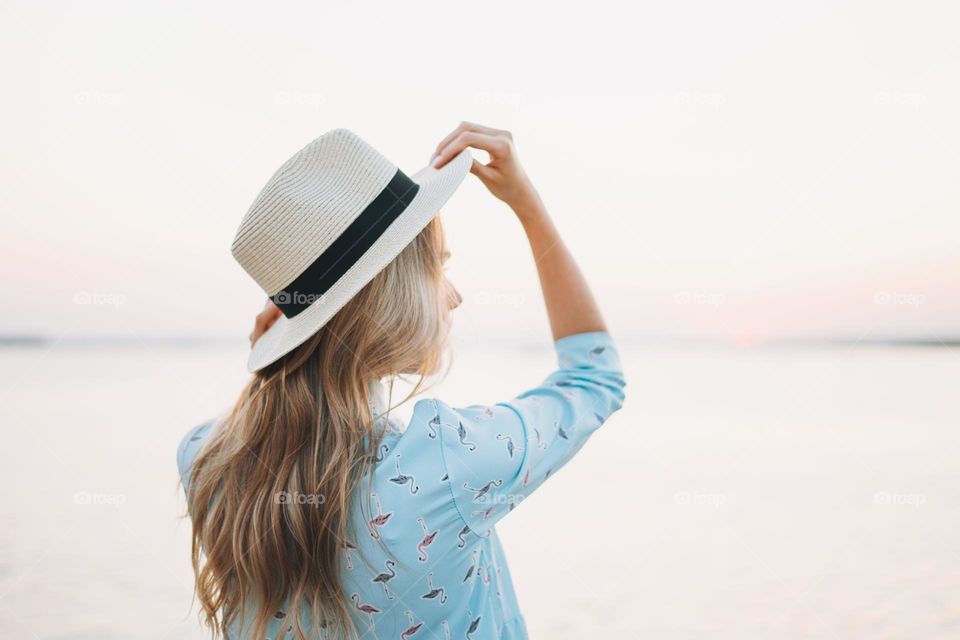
[(739, 494)]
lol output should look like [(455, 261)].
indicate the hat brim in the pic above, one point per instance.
[(436, 187)]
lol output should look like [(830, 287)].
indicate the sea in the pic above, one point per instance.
[(780, 491)]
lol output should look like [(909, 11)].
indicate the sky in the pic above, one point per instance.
[(744, 172)]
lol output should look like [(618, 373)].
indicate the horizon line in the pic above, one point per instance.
[(27, 341)]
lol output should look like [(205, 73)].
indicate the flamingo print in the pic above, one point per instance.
[(561, 432), (526, 479), (378, 455), (402, 479), (434, 592), (484, 574), (412, 629), (486, 513), (540, 443), (482, 491), (368, 609), (280, 615), (428, 538), (378, 520), (462, 537), (383, 578), (474, 625), (597, 351), (434, 426), (446, 630), (485, 415), (509, 440), (462, 434), (473, 565), (348, 546)]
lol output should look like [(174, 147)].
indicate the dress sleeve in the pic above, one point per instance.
[(497, 455)]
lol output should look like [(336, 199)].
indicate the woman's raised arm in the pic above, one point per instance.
[(569, 301)]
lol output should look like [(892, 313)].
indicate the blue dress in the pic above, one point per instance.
[(441, 484)]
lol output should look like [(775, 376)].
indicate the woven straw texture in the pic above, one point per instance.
[(306, 205)]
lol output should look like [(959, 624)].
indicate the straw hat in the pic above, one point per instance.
[(331, 218)]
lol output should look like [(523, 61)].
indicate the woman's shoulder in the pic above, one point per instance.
[(416, 448), (434, 420), (448, 439)]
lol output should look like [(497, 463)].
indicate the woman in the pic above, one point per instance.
[(314, 513)]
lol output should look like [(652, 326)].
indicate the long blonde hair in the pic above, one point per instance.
[(302, 426)]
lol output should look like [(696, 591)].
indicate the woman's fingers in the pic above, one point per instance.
[(264, 321), (447, 140), (480, 170), (469, 126), (497, 146)]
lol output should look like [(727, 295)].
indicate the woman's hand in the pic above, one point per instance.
[(264, 321), (503, 175), (570, 304)]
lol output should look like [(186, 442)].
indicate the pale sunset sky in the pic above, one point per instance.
[(742, 172)]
